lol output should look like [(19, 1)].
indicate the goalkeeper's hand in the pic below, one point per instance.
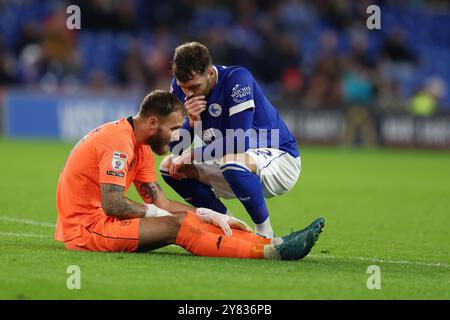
[(223, 221), (239, 224)]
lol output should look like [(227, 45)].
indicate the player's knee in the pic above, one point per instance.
[(234, 161), (231, 158), (227, 159), (178, 220)]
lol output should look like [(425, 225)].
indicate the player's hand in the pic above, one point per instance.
[(217, 219), (194, 107), (176, 162), (225, 222), (239, 224)]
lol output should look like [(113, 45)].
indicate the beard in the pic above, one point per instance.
[(208, 88), (158, 145)]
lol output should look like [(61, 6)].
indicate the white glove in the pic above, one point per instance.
[(239, 224), (217, 219), (225, 222), (153, 211)]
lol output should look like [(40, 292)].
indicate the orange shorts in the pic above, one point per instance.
[(108, 234)]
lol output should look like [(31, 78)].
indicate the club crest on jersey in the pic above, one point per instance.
[(239, 93), (119, 160), (215, 110)]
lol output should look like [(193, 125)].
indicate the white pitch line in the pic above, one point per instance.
[(373, 260), (26, 221), (27, 235), (388, 261), (369, 259)]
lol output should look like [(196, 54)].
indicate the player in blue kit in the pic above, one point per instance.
[(248, 151)]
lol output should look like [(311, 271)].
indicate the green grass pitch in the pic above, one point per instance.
[(389, 208)]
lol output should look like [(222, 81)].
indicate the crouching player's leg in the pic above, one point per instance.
[(258, 174), (234, 177), (239, 170), (191, 188)]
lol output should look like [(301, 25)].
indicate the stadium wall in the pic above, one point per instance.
[(391, 129), (2, 109), (37, 115)]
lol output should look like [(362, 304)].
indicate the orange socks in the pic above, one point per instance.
[(243, 235), (196, 237)]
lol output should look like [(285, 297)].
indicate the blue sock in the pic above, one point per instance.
[(196, 193), (248, 190)]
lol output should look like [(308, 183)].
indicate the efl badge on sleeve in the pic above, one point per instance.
[(119, 160)]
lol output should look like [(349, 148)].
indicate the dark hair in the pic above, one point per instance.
[(190, 58), (160, 103)]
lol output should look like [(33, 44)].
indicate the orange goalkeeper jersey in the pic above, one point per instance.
[(108, 154)]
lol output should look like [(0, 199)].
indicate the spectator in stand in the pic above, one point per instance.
[(358, 92), (389, 97), (396, 49), (39, 50), (425, 102), (323, 88), (132, 69), (7, 73)]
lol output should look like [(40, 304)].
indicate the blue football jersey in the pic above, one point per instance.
[(237, 91)]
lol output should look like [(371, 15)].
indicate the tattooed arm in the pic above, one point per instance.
[(152, 193), (114, 203)]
